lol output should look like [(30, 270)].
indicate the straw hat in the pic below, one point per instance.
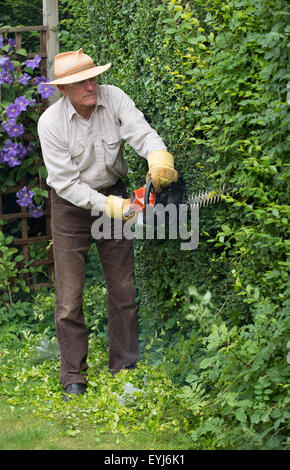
[(75, 66)]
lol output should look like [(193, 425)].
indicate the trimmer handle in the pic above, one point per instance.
[(147, 192)]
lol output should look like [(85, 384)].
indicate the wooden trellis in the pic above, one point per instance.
[(33, 231), (26, 239), (18, 32)]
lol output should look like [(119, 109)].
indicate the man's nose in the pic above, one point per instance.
[(89, 85)]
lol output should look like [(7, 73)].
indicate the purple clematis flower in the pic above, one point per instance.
[(45, 90), (35, 211), (5, 125), (12, 128), (16, 130), (24, 197), (6, 77), (12, 44), (30, 148), (24, 79), (22, 102), (1, 41), (12, 160), (39, 80), (10, 147), (7, 72), (21, 150), (13, 110), (33, 63), (12, 153), (6, 64)]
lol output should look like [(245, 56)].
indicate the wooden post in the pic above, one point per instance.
[(50, 19)]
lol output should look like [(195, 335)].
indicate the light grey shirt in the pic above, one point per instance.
[(83, 156)]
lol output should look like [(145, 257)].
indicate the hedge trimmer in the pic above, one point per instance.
[(143, 198)]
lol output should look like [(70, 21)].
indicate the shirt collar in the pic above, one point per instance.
[(100, 97), (71, 109)]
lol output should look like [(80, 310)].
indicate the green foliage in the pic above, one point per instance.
[(78, 21), (11, 277), (238, 382), (12, 13), (43, 311), (95, 309), (211, 78), (13, 319), (35, 313)]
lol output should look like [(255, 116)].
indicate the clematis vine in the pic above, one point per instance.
[(26, 87)]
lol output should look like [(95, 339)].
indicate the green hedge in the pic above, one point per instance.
[(211, 77)]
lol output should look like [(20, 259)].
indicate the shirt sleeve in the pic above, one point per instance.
[(63, 174), (135, 129)]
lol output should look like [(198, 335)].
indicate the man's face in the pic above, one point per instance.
[(81, 94)]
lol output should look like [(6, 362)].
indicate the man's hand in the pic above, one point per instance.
[(118, 208), (161, 170)]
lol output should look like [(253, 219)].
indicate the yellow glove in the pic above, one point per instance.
[(118, 208), (161, 169)]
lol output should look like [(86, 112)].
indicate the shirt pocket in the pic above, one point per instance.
[(77, 151), (111, 139)]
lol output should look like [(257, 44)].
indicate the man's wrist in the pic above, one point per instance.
[(160, 158)]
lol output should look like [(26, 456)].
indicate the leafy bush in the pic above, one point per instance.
[(236, 384), (14, 318), (95, 309), (10, 276)]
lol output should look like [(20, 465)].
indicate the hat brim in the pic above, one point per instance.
[(83, 75)]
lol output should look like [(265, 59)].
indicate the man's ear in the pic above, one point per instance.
[(62, 89)]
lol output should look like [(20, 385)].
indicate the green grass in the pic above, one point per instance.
[(33, 415), (19, 430)]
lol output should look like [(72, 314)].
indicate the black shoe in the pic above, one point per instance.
[(131, 366), (74, 389)]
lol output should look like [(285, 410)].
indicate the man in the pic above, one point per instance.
[(81, 136)]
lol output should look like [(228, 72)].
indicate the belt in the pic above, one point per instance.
[(106, 191)]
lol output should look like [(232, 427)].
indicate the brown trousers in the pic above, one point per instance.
[(71, 232)]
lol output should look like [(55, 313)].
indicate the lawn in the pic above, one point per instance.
[(20, 430), (135, 410)]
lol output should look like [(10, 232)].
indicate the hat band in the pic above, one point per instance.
[(76, 70)]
